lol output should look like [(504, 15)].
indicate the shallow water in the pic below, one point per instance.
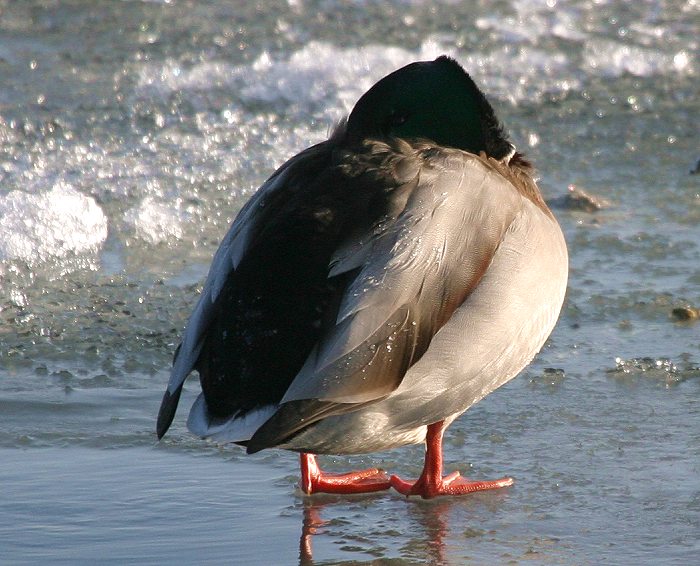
[(132, 132)]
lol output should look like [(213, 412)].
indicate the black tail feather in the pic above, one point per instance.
[(166, 414), (291, 419)]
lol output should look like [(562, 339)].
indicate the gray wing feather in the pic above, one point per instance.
[(415, 270)]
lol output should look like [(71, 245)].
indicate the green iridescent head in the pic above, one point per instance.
[(433, 100)]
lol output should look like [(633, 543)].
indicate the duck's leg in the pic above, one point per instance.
[(431, 482), (313, 480)]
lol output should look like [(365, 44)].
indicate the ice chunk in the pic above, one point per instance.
[(60, 222), (155, 221)]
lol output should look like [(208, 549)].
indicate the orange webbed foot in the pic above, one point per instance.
[(313, 480), (452, 484)]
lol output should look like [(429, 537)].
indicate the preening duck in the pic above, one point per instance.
[(376, 286)]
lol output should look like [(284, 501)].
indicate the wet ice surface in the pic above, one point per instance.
[(126, 150)]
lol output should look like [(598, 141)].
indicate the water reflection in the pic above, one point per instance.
[(435, 520), (311, 521), (391, 528)]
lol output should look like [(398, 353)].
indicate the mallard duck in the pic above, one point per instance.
[(376, 286)]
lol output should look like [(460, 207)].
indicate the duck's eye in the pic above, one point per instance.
[(396, 119)]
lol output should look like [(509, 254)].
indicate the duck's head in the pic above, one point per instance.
[(434, 100)]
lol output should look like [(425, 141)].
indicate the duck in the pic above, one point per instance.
[(375, 287)]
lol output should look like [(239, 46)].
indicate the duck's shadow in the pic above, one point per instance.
[(419, 532)]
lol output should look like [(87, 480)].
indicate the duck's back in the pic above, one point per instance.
[(490, 234), (371, 282)]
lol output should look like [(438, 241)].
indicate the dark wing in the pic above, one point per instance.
[(207, 323), (268, 296)]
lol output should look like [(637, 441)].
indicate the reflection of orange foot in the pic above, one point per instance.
[(431, 482), (311, 523), (453, 484), (313, 480)]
